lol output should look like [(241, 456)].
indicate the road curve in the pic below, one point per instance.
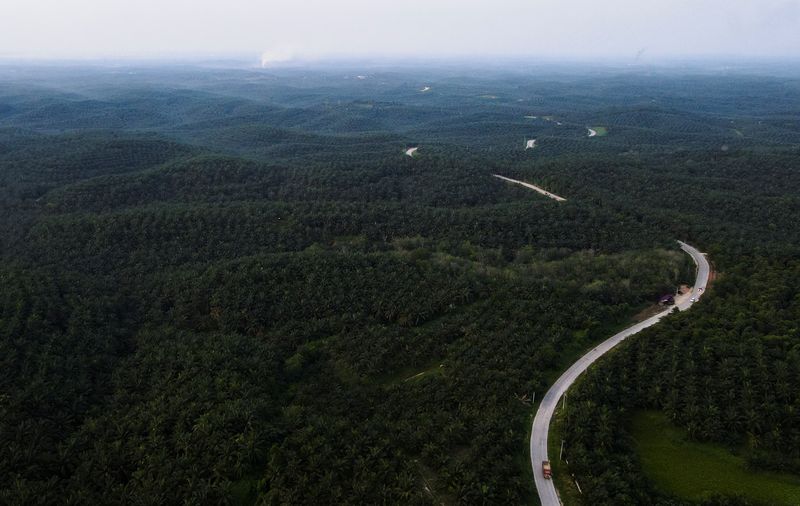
[(541, 422)]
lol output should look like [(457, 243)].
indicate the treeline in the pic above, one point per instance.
[(347, 376), (260, 299), (179, 336), (729, 370), (726, 372)]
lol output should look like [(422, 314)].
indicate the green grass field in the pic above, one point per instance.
[(691, 470)]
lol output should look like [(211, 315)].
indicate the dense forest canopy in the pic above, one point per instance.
[(231, 286)]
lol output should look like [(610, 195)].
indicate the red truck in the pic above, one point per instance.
[(546, 471)]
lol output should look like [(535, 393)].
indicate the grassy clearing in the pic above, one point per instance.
[(691, 470), (601, 130)]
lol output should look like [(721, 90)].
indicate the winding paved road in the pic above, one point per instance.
[(541, 423)]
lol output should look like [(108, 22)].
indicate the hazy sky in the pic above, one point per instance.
[(281, 29)]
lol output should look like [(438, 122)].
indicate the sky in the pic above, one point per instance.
[(275, 31)]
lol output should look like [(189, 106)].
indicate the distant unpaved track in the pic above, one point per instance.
[(532, 187), (541, 423)]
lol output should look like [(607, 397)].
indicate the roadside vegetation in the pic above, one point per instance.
[(723, 373)]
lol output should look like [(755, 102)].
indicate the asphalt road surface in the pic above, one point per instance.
[(541, 423)]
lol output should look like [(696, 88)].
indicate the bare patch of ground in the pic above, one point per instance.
[(648, 312)]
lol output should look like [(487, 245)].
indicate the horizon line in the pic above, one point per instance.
[(256, 61)]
